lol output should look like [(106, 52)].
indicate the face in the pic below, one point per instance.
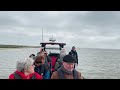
[(42, 60), (68, 66), (73, 48), (39, 61)]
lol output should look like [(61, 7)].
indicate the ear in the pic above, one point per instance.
[(62, 62)]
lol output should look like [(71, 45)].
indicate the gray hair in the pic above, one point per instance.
[(61, 57), (24, 64), (63, 51)]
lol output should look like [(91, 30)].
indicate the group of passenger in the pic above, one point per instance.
[(39, 66)]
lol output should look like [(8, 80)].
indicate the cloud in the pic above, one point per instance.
[(80, 28)]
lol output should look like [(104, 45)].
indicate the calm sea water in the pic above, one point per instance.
[(93, 63)]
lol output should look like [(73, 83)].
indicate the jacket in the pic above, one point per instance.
[(56, 75), (74, 53), (22, 75), (43, 70)]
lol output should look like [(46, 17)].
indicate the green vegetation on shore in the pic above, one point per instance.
[(17, 46)]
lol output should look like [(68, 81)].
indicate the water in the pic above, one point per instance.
[(93, 63), (9, 58)]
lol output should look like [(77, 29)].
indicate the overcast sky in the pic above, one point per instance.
[(84, 29)]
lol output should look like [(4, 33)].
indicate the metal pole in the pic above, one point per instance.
[(42, 34)]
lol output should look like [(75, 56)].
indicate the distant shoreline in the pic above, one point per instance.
[(17, 46)]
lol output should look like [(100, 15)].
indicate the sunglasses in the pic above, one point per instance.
[(38, 62)]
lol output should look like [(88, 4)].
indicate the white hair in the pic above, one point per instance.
[(24, 64)]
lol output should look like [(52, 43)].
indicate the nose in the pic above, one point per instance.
[(71, 66)]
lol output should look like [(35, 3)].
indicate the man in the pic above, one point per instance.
[(67, 70), (74, 53)]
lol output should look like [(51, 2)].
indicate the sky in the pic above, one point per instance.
[(83, 29)]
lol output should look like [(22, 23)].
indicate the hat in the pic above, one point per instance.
[(69, 59)]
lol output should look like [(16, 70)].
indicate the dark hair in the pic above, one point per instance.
[(38, 62), (39, 58), (73, 46), (32, 55)]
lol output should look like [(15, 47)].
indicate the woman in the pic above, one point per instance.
[(25, 70), (41, 67)]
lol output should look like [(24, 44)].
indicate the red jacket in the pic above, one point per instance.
[(25, 77)]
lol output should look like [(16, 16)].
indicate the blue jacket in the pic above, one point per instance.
[(43, 70)]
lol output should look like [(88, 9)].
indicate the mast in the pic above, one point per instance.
[(42, 34)]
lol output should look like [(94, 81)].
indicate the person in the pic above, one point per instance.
[(47, 58), (63, 51), (41, 67), (40, 51), (48, 61), (67, 70), (59, 61), (32, 56), (74, 53), (25, 70)]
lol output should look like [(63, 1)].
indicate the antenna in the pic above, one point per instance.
[(52, 36), (42, 34)]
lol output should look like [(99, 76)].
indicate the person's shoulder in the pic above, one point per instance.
[(70, 52), (11, 76), (55, 72), (38, 76), (79, 74), (55, 75), (58, 60)]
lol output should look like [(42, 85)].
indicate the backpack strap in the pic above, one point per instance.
[(60, 73), (17, 76), (75, 74), (33, 77)]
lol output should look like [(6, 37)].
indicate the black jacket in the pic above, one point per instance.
[(74, 53)]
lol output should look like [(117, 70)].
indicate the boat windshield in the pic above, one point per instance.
[(52, 48)]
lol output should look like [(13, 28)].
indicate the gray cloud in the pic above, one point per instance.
[(84, 29)]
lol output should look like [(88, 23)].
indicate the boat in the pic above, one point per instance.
[(52, 50)]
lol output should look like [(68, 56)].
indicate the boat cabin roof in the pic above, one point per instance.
[(61, 45)]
